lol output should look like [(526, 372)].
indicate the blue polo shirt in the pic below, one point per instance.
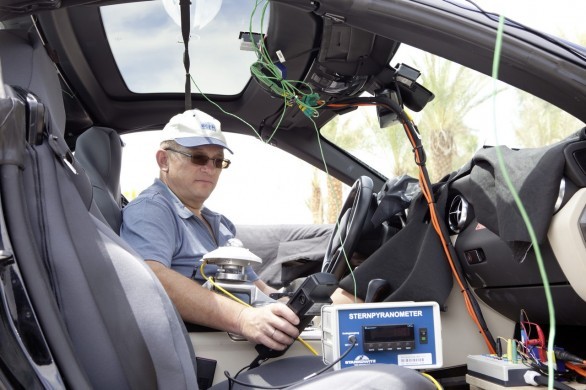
[(160, 228)]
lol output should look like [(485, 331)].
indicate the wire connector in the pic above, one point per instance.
[(309, 104)]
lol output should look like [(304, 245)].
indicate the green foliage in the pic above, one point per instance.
[(541, 123), (448, 140)]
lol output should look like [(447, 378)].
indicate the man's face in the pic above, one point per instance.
[(192, 183)]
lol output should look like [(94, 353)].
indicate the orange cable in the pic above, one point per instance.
[(578, 369), (435, 223), (426, 191)]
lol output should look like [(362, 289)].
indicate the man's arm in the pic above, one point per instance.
[(271, 325), (265, 288)]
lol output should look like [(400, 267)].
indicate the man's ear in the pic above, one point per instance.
[(162, 160)]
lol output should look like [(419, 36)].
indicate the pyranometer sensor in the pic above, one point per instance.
[(231, 260)]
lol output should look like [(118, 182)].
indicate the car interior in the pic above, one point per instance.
[(93, 271), (80, 309)]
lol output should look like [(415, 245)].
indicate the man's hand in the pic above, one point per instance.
[(272, 325)]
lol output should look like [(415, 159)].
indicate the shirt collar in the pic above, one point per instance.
[(180, 208)]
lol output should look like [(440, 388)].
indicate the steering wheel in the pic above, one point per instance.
[(348, 227)]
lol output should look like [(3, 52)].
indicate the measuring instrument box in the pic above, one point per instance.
[(403, 333)]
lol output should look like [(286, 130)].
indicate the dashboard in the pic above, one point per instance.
[(494, 244)]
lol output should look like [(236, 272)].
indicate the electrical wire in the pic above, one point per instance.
[(303, 96), (235, 298), (535, 379), (568, 357), (293, 94), (342, 240), (433, 380), (521, 208), (232, 380), (308, 102), (229, 113), (268, 73), (425, 185), (579, 369)]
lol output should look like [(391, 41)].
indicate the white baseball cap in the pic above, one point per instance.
[(194, 128)]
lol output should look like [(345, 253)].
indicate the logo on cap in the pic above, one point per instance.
[(208, 126)]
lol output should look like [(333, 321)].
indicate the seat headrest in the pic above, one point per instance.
[(24, 62), (99, 150)]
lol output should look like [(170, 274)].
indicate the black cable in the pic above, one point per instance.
[(568, 357), (240, 371), (232, 380), (543, 381), (231, 383)]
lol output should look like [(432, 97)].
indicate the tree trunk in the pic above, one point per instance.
[(315, 201), (335, 198)]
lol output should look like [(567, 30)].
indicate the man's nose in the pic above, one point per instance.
[(210, 165)]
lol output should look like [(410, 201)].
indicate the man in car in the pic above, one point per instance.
[(169, 226)]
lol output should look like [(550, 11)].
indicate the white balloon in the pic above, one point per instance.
[(206, 11), (201, 11), (173, 10)]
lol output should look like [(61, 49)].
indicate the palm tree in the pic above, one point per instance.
[(446, 137), (315, 201), (449, 142), (552, 125)]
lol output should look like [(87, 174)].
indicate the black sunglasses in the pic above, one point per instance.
[(200, 159)]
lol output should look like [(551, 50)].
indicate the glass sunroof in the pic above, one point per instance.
[(146, 41)]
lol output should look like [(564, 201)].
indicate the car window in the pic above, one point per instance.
[(263, 185), (218, 44), (455, 124)]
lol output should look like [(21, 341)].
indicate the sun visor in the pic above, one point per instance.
[(13, 8)]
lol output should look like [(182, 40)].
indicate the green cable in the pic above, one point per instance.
[(337, 222), (221, 109), (546, 286), (308, 102)]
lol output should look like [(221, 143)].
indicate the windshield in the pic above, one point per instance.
[(469, 110)]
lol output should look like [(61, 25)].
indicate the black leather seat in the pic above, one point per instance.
[(99, 151), (105, 316)]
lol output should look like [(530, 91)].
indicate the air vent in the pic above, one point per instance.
[(458, 214)]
